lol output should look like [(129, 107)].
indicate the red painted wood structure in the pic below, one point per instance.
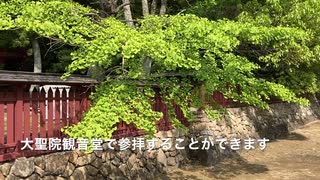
[(29, 113), (39, 112), (17, 54), (164, 124), (125, 130)]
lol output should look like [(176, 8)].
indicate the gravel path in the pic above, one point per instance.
[(295, 157)]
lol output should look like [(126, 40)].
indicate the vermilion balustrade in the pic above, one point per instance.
[(29, 111), (37, 114)]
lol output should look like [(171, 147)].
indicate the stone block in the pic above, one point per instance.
[(79, 173), (55, 163), (69, 170), (5, 168), (22, 167), (87, 159), (161, 157)]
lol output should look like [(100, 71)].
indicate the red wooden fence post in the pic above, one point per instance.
[(84, 103), (77, 104), (42, 101), (64, 110), (1, 119), (10, 119), (57, 113), (50, 114), (71, 118), (27, 115), (34, 97), (18, 121)]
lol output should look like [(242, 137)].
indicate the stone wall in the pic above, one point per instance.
[(105, 164), (250, 122), (241, 122)]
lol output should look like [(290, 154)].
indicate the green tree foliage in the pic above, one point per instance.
[(199, 50), (12, 39), (216, 9), (299, 69)]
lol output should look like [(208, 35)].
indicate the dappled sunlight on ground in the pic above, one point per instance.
[(294, 157)]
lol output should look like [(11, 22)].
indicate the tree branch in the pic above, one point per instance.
[(121, 6)]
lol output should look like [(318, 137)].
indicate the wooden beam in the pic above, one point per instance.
[(42, 78)]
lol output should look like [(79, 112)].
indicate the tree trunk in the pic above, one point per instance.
[(127, 13), (145, 7), (163, 7), (154, 7), (146, 66), (37, 65), (113, 6)]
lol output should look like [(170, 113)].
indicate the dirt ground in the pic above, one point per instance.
[(295, 157)]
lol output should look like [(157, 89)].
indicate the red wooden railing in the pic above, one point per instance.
[(125, 130), (129, 130), (36, 114), (41, 113)]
